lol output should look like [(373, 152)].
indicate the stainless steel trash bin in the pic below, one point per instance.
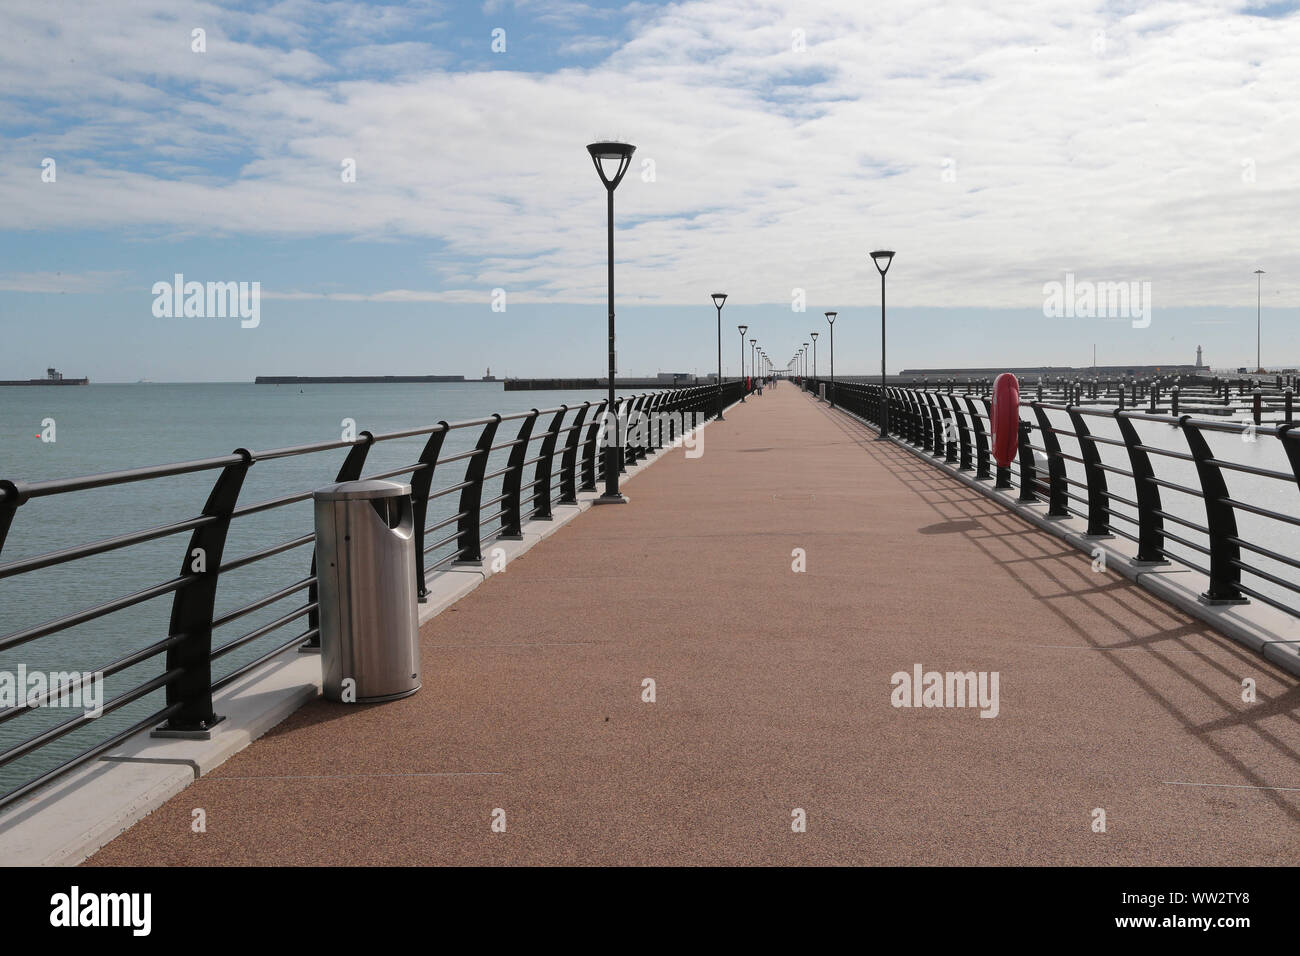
[(365, 570)]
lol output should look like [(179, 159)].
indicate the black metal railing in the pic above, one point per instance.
[(552, 456), (1072, 456)]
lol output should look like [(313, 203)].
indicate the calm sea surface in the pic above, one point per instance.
[(108, 427)]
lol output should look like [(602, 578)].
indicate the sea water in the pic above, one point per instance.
[(101, 428)]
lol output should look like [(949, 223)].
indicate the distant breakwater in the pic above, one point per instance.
[(567, 384), (359, 379)]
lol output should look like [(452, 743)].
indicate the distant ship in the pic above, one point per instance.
[(52, 377)]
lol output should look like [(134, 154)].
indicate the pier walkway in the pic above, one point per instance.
[(773, 692)]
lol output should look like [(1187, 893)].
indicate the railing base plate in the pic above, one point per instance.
[(619, 499), (204, 734), (1220, 602)]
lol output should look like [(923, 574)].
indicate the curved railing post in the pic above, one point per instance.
[(569, 463), (1151, 526), (639, 450), (1028, 471), (630, 407), (925, 409), (925, 420), (1057, 490), (948, 429), (660, 405), (963, 435), (8, 508), (191, 619), (1220, 520), (589, 448), (1098, 498), (421, 481), (542, 474), (1289, 436), (623, 415), (982, 470), (512, 483), (938, 425), (469, 540), (350, 470)]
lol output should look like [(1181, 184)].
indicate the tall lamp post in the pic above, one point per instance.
[(1259, 365), (753, 359), (813, 336), (743, 330), (719, 299), (620, 155), (830, 317), (882, 258), (805, 366)]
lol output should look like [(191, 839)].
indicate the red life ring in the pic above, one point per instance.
[(1005, 419)]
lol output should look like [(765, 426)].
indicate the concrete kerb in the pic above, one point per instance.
[(1257, 626), (66, 821)]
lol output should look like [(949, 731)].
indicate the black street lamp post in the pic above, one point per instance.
[(813, 336), (620, 153), (1259, 273), (830, 317), (719, 299), (743, 329), (885, 256)]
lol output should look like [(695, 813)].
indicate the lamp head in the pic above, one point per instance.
[(719, 298), (830, 317), (882, 258), (814, 335), (612, 160), (743, 330)]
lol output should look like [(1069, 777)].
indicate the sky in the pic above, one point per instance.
[(995, 147)]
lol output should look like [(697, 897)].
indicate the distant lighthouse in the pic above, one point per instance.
[(1199, 363)]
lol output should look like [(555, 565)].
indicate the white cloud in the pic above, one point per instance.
[(83, 282), (1126, 163)]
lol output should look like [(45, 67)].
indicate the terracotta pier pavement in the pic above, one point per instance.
[(773, 693)]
